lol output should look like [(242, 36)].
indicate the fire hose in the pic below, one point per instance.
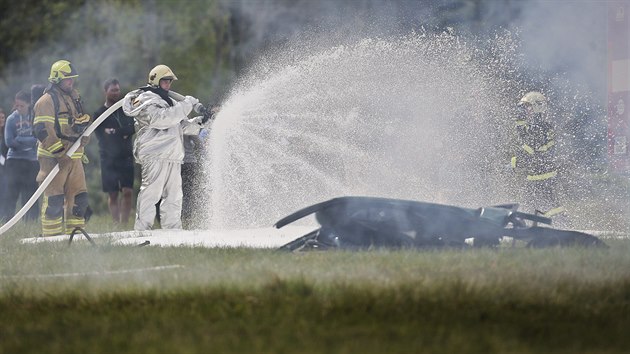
[(199, 108)]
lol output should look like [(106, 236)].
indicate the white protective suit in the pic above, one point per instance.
[(159, 149)]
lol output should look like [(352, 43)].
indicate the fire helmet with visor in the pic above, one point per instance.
[(536, 100), (60, 70), (160, 72)]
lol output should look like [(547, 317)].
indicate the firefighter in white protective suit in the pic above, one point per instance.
[(159, 148)]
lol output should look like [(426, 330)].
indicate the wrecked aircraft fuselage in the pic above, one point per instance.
[(367, 222)]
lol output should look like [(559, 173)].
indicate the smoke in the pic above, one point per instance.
[(555, 36), (567, 37)]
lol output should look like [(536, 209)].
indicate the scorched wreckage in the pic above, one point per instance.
[(357, 223)]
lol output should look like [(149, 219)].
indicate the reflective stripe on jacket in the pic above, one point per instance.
[(535, 155), (50, 144)]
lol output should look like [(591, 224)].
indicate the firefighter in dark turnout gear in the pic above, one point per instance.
[(534, 157), (59, 121)]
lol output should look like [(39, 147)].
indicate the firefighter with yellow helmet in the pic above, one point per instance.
[(59, 120), (161, 124), (534, 157)]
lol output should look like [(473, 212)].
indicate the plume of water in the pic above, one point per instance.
[(423, 116)]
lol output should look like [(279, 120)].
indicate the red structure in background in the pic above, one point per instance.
[(618, 85)]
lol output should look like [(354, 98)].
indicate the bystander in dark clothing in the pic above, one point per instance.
[(22, 165), (3, 180), (116, 153), (37, 91)]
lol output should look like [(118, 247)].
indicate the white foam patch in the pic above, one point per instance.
[(251, 238), (608, 235)]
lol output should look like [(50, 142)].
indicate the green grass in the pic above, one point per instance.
[(261, 301)]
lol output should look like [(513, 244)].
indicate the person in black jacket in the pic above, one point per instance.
[(535, 157), (116, 153)]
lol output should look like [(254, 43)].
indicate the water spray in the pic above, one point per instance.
[(423, 116)]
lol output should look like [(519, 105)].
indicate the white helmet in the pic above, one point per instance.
[(160, 72), (537, 101)]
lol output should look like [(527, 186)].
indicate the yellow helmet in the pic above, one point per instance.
[(160, 72), (536, 99), (61, 69)]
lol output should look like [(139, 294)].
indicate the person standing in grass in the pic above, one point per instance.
[(534, 157), (59, 122), (115, 145), (159, 148), (22, 166)]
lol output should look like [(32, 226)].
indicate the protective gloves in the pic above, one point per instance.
[(197, 120), (63, 160), (190, 99), (208, 114), (197, 107), (203, 133), (84, 119)]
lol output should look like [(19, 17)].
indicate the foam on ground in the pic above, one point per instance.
[(252, 238)]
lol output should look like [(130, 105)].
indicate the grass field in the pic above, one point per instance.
[(121, 299)]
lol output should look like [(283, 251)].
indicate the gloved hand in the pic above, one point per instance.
[(63, 160), (81, 123), (203, 133), (197, 120), (84, 119), (193, 101), (84, 140)]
